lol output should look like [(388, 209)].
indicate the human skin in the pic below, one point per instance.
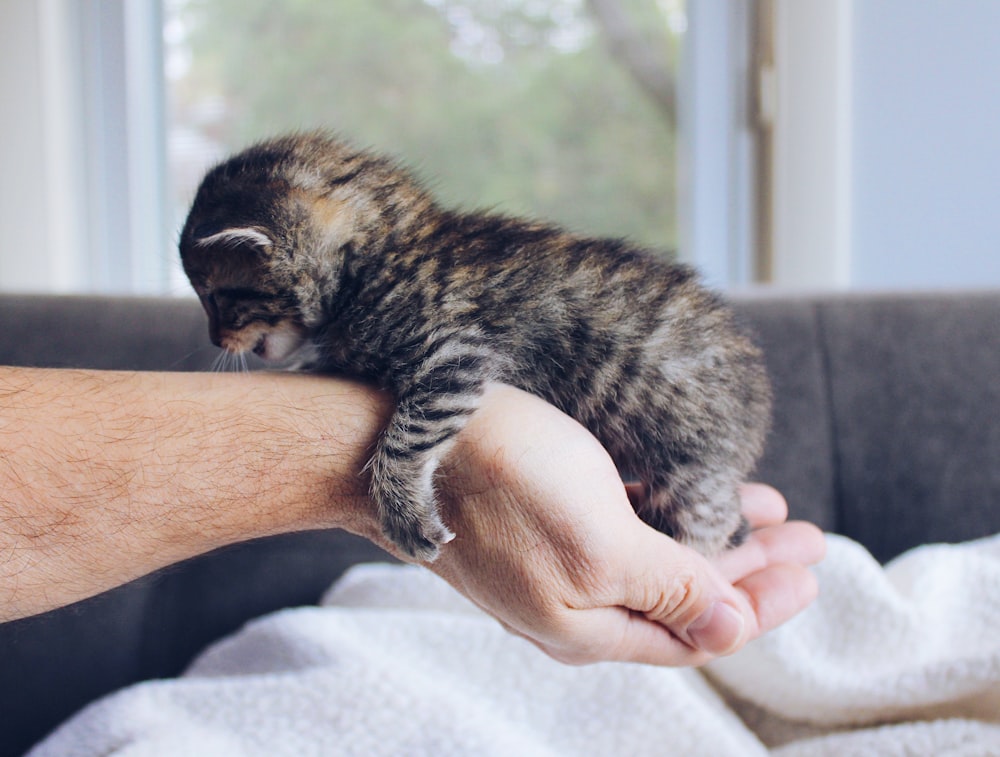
[(108, 476)]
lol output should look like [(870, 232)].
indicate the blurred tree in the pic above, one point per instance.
[(642, 49), (518, 105)]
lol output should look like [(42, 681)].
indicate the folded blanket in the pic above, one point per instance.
[(897, 661)]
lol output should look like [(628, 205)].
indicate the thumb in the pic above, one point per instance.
[(680, 590)]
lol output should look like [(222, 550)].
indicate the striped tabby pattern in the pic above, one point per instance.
[(320, 256)]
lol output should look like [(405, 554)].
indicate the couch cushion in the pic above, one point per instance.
[(915, 387), (798, 459), (121, 333)]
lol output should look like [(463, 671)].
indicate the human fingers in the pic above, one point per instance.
[(645, 641), (772, 596), (769, 571), (794, 543), (762, 505), (778, 593), (671, 585), (716, 626)]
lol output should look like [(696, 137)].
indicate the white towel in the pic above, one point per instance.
[(897, 661)]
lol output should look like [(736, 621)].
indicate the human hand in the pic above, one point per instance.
[(548, 543)]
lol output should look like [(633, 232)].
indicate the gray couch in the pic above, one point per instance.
[(887, 429)]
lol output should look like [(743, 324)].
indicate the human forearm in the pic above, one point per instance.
[(107, 476)]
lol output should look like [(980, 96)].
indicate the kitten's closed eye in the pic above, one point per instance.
[(243, 294), (208, 302)]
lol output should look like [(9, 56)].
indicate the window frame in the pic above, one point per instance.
[(808, 70), (718, 200), (90, 199)]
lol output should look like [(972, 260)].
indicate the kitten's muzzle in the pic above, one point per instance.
[(239, 342), (271, 343)]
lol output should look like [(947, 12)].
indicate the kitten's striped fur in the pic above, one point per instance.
[(322, 256)]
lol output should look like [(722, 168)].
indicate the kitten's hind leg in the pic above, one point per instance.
[(698, 508)]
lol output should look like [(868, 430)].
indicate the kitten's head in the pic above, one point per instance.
[(251, 306), (266, 240)]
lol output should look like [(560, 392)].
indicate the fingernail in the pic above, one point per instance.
[(718, 629)]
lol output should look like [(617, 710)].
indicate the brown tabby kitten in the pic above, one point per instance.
[(320, 256)]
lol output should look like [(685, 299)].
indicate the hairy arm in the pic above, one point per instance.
[(107, 476)]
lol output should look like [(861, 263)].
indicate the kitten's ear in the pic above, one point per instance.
[(236, 237)]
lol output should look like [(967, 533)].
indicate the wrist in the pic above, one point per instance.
[(299, 449)]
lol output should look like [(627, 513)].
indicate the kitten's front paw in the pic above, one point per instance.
[(403, 489), (418, 537)]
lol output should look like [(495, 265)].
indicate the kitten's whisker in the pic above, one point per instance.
[(222, 363), (182, 358)]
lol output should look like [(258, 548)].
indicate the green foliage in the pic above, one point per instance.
[(508, 104)]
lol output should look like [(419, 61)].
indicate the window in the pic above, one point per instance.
[(559, 109), (609, 116)]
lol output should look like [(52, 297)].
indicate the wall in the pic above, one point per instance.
[(81, 201), (925, 175), (808, 107)]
